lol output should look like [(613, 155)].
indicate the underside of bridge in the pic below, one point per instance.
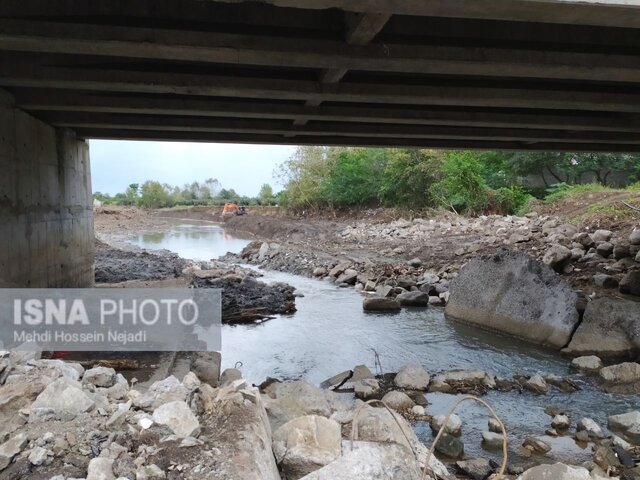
[(499, 74), (485, 74)]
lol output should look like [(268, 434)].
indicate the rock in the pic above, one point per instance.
[(418, 410), (605, 457), (602, 235), (100, 468), (450, 446), (206, 366), (592, 428), (582, 436), (561, 422), (380, 304), (460, 379), (416, 262), (630, 283), (453, 427), (413, 299), (604, 249), (100, 377), (584, 239), (624, 421), (178, 417), (371, 461), (610, 328), (557, 257), (164, 391), (398, 400), (11, 448), (536, 445), (38, 456), (378, 425), (349, 276), (64, 399), (492, 440), (494, 426), (366, 388), (559, 471), (621, 251), (230, 375), (295, 399), (150, 472), (475, 468), (436, 301), (384, 291), (605, 281), (412, 377), (627, 372), (634, 238), (319, 272), (540, 306), (360, 372), (537, 384), (306, 444), (589, 364)]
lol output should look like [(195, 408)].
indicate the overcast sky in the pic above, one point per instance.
[(116, 164)]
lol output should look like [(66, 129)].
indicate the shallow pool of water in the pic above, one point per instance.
[(191, 239), (331, 333)]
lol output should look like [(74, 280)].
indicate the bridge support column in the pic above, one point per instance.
[(46, 217)]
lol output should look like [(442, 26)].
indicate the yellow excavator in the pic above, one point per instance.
[(232, 208)]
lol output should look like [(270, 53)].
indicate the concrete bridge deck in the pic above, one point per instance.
[(498, 74)]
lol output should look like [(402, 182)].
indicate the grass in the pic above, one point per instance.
[(562, 191)]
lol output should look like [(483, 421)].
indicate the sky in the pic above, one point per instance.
[(116, 164)]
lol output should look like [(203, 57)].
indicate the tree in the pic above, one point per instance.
[(131, 194), (409, 176), (153, 195), (266, 194)]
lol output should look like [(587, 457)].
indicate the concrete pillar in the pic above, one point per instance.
[(46, 216)]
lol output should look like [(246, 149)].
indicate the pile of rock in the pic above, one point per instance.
[(244, 297)]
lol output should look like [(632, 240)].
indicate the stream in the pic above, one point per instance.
[(331, 333)]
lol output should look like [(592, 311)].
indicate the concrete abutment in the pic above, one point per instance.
[(46, 217)]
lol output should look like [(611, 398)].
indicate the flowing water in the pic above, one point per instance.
[(331, 333)]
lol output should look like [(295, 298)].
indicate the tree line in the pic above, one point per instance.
[(464, 181), (153, 194)]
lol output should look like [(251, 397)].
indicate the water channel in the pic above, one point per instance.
[(330, 333)]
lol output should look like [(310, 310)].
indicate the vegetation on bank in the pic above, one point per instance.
[(470, 182), (153, 194), (463, 181)]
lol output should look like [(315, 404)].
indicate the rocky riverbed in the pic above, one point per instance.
[(62, 421)]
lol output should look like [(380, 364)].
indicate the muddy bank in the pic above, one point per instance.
[(114, 265)]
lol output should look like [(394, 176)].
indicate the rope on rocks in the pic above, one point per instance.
[(426, 469), (505, 440)]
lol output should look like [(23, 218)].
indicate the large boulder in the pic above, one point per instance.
[(559, 471), (63, 399), (178, 417), (371, 461), (380, 304), (513, 293), (296, 399), (412, 377), (628, 372), (413, 299), (610, 327), (630, 283), (306, 444)]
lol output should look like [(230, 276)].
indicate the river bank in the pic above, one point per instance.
[(521, 425)]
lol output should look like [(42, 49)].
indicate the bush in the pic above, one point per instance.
[(463, 186), (510, 200)]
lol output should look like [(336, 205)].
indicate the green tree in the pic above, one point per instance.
[(462, 186), (154, 195), (266, 194), (409, 177), (131, 194)]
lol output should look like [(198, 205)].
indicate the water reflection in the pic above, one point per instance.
[(197, 241)]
